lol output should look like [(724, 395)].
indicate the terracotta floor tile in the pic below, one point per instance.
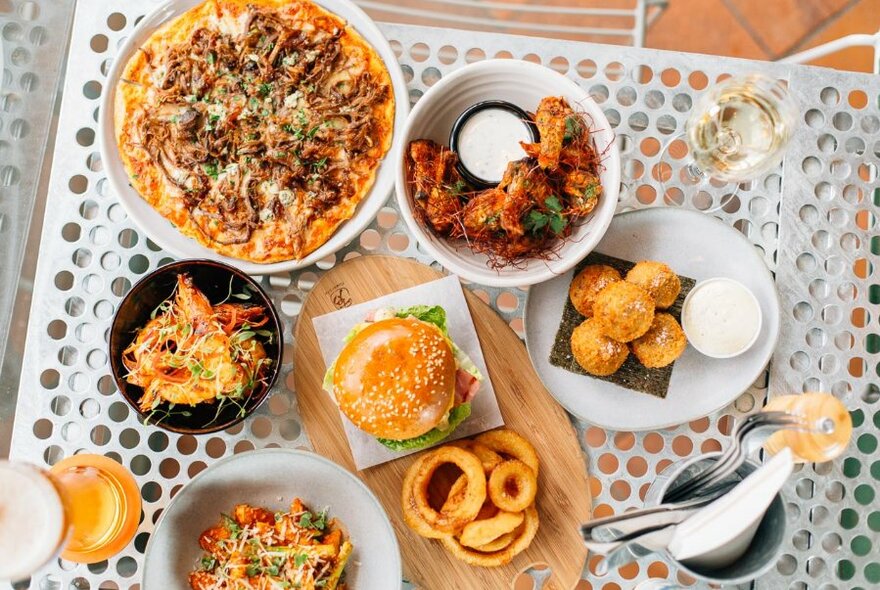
[(702, 26), (781, 24), (863, 17)]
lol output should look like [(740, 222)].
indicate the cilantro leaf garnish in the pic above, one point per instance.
[(211, 170)]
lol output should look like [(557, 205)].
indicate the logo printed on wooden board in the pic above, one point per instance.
[(339, 295)]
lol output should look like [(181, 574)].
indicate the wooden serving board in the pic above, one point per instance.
[(563, 500)]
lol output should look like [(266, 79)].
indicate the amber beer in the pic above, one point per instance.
[(86, 506), (103, 506), (830, 421)]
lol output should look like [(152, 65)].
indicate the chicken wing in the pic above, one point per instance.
[(437, 183), (551, 119)]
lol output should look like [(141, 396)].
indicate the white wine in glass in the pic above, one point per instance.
[(737, 132), (739, 129)]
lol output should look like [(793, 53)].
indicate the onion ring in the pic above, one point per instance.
[(510, 443), (498, 544), (475, 490), (512, 486), (529, 529), (487, 456), (480, 532), (411, 515), (456, 493)]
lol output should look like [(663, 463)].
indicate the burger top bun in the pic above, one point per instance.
[(396, 378)]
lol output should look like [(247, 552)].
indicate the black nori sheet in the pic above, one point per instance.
[(632, 375)]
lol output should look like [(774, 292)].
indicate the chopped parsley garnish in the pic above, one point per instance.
[(320, 163), (208, 562), (300, 559), (230, 525), (538, 220), (312, 521), (553, 203), (210, 58), (573, 127), (211, 170), (458, 188)]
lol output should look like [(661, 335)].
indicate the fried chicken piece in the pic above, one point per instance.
[(661, 344), (623, 311), (550, 118), (211, 539), (587, 284), (202, 580), (525, 186), (483, 212), (437, 183), (246, 515), (583, 189), (594, 351)]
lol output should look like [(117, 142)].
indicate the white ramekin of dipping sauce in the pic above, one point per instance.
[(487, 137), (721, 318)]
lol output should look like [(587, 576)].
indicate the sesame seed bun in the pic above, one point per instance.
[(396, 378)]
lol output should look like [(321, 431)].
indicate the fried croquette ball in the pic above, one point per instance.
[(623, 311), (594, 351), (587, 284), (661, 344), (657, 279)]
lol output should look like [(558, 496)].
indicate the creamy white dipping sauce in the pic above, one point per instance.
[(489, 140), (721, 318)]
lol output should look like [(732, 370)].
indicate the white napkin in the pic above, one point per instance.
[(331, 328), (720, 533)]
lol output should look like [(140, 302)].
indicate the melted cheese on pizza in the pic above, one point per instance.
[(255, 127)]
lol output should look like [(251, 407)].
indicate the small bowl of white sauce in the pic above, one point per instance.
[(721, 318), (486, 137)]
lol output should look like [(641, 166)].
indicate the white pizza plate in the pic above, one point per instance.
[(163, 233), (523, 84), (271, 478), (695, 245)]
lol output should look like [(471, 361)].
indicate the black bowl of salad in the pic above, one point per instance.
[(195, 346)]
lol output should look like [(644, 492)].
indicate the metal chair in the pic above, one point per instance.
[(856, 40), (621, 22)]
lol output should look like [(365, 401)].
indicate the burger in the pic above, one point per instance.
[(401, 379)]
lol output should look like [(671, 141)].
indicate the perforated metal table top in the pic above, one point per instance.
[(813, 220)]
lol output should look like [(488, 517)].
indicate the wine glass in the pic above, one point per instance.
[(737, 132)]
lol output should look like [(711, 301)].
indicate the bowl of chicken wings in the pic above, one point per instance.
[(551, 198)]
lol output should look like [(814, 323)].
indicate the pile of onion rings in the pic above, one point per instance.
[(488, 514)]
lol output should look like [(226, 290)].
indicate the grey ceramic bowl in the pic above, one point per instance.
[(272, 478)]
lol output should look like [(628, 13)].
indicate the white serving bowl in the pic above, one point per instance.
[(523, 84), (160, 231)]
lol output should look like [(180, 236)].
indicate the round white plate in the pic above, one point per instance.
[(694, 245), (271, 478), (524, 84), (166, 235)]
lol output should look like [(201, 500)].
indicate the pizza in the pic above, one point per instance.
[(255, 126)]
